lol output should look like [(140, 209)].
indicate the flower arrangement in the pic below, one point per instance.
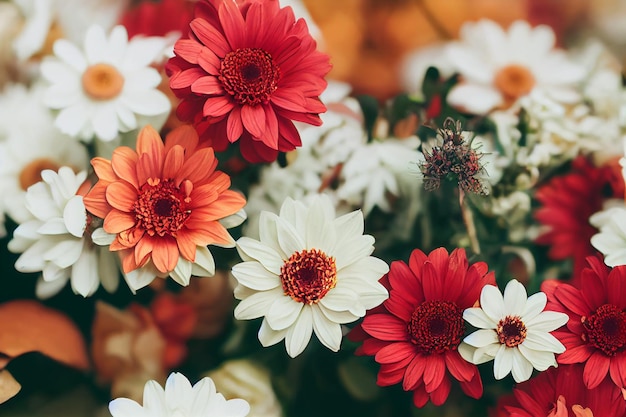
[(220, 207)]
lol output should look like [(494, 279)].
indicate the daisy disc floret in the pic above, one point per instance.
[(514, 330), (56, 239), (107, 87), (163, 203), (245, 73), (415, 334), (180, 398), (595, 334), (309, 272)]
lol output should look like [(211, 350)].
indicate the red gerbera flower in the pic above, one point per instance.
[(558, 392), (596, 331), (416, 332), (568, 202), (163, 201), (246, 72)]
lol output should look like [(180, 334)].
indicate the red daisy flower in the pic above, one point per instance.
[(151, 18), (162, 201), (558, 392), (568, 201), (248, 70), (415, 334), (596, 331)]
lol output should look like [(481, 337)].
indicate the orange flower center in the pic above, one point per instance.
[(161, 208), (514, 81), (436, 326), (606, 329), (511, 331), (249, 75), (102, 82), (31, 173), (308, 275)]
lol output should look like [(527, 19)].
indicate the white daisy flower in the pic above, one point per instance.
[(106, 88), (499, 67), (178, 399), (29, 143), (309, 272), (514, 331), (56, 239)]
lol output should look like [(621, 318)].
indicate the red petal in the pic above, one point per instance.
[(440, 394), (385, 327), (414, 372), (434, 372), (596, 368), (232, 23), (253, 118), (395, 352), (184, 79), (572, 299), (210, 36), (234, 125), (188, 49), (217, 106), (460, 369), (208, 85)]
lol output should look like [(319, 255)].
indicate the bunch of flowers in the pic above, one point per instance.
[(456, 247)]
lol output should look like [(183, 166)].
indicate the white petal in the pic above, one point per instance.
[(32, 258), (204, 265), (269, 336), (182, 272), (340, 317), (522, 369), (257, 305), (541, 360), (288, 238), (298, 335), (474, 98), (534, 305), (547, 321), (95, 44), (503, 362), (515, 298), (102, 238), (339, 299), (350, 224), (105, 123), (64, 253), (177, 390), (146, 102), (477, 318), (481, 338), (492, 303), (57, 73), (108, 270), (45, 290), (124, 407), (538, 340), (485, 354), (268, 257), (71, 119), (85, 279), (75, 216), (253, 275), (54, 226), (283, 312), (353, 250), (142, 79), (70, 54), (327, 332), (140, 278)]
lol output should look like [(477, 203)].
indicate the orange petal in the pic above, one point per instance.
[(198, 167), (210, 232), (202, 196), (143, 249), (227, 203), (186, 244), (165, 254), (150, 143), (121, 195), (185, 136), (174, 160), (128, 260), (124, 164), (220, 180), (103, 170), (95, 201), (29, 326), (118, 221)]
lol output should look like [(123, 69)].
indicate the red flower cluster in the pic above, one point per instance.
[(246, 71), (414, 335)]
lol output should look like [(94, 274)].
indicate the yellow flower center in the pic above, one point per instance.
[(31, 173), (102, 81), (307, 276), (514, 81)]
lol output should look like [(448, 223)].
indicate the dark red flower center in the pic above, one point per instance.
[(511, 331), (436, 326), (606, 329), (249, 75), (161, 208), (308, 275)]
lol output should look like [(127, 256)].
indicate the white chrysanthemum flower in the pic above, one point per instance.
[(310, 272), (611, 238), (108, 87), (498, 67), (29, 143), (56, 240), (372, 172), (180, 399), (514, 331)]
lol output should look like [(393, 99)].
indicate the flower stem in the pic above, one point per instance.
[(468, 219)]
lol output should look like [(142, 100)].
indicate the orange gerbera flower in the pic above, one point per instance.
[(163, 201)]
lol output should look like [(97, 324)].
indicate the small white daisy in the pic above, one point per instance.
[(102, 90), (56, 241), (29, 143), (498, 67), (180, 399), (514, 331), (310, 272)]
